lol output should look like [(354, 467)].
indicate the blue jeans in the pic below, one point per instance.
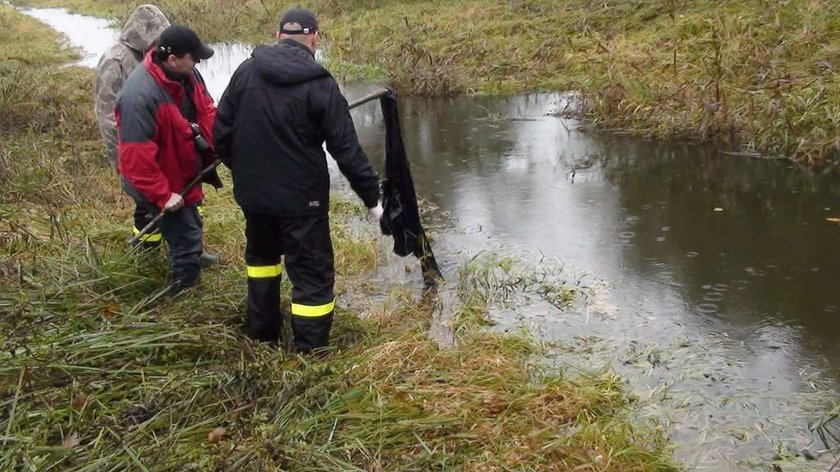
[(182, 231)]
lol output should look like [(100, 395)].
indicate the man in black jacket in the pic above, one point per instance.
[(278, 110)]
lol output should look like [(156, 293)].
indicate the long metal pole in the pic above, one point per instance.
[(198, 178), (369, 97)]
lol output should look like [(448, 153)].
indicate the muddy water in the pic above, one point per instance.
[(713, 281), (718, 277), (725, 244)]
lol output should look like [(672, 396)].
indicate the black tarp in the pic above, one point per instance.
[(401, 218)]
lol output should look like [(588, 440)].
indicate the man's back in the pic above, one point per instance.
[(279, 109)]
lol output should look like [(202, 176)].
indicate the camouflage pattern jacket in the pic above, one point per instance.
[(142, 28)]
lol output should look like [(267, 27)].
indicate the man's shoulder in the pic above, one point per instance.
[(139, 76), (243, 76), (116, 54), (139, 87), (325, 84), (246, 67)]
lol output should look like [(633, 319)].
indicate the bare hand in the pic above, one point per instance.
[(375, 213), (174, 203)]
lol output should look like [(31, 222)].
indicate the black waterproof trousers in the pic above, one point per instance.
[(305, 244)]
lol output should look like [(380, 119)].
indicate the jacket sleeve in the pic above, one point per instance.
[(206, 122), (343, 145), (138, 150), (223, 124), (109, 80), (211, 116)]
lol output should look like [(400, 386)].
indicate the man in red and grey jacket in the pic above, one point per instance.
[(157, 152)]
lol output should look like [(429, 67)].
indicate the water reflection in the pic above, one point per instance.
[(218, 69), (726, 263), (768, 240), (634, 212), (91, 36)]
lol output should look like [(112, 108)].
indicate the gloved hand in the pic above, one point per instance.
[(375, 213)]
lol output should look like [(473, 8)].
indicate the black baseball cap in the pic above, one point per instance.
[(179, 40), (298, 21)]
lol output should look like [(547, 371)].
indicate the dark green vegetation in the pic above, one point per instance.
[(753, 75), (100, 371)]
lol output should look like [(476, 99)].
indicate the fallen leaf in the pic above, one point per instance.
[(833, 220), (70, 441), (79, 401), (216, 435), (111, 310)]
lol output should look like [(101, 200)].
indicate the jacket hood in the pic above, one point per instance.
[(287, 63), (143, 27)]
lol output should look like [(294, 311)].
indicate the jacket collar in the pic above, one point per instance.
[(173, 87), (293, 43)]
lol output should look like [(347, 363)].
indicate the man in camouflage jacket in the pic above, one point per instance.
[(115, 65), (142, 28)]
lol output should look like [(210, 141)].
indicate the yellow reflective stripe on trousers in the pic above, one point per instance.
[(313, 311), (149, 238), (264, 272)]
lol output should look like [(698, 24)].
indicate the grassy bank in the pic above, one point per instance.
[(754, 75), (101, 371)]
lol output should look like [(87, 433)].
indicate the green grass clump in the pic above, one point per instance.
[(755, 75), (26, 42), (100, 369)]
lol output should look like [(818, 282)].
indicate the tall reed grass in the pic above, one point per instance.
[(755, 76)]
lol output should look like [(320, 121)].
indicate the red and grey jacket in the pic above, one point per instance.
[(157, 153)]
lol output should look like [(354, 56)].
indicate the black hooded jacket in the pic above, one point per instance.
[(278, 110)]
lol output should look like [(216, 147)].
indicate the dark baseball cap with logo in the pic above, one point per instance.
[(298, 21), (180, 40)]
